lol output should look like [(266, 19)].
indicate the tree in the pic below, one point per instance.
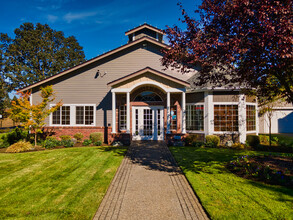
[(32, 116), (239, 42), (37, 52)]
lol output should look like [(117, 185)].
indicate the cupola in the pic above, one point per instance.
[(145, 30)]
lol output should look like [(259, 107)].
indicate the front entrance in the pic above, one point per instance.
[(148, 123)]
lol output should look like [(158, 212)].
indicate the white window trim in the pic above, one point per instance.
[(119, 119), (72, 116), (226, 103), (196, 131)]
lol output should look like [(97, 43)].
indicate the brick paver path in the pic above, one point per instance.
[(149, 185)]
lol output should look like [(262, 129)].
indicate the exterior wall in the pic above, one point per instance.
[(227, 96), (194, 97), (84, 86)]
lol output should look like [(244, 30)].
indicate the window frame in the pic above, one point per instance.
[(119, 117), (226, 104), (256, 110), (73, 116), (203, 120)]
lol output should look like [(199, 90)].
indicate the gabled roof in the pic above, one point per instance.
[(150, 70), (125, 46), (142, 27)]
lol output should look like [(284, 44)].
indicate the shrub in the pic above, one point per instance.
[(86, 142), (238, 146), (51, 142), (253, 140), (97, 136), (67, 143), (98, 143), (78, 136), (3, 141), (191, 138), (20, 146), (65, 137), (197, 144), (212, 140), (16, 135)]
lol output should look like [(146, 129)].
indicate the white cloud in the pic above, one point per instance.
[(52, 18), (69, 17)]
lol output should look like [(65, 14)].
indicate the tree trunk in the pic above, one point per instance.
[(36, 138)]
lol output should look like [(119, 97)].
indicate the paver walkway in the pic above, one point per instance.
[(149, 185)]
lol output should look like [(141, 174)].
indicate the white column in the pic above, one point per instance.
[(256, 118), (242, 118), (183, 114), (128, 112), (168, 113), (208, 113), (113, 112)]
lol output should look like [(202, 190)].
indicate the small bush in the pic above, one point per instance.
[(197, 144), (253, 140), (238, 146), (67, 143), (191, 138), (20, 146), (51, 142), (16, 135), (86, 142), (212, 140), (98, 143), (78, 136), (3, 141), (97, 136), (65, 137)]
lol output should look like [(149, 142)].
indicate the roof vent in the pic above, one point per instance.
[(145, 30)]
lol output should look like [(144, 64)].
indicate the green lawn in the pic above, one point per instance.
[(227, 196), (56, 184)]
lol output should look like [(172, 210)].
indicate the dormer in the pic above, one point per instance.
[(145, 30)]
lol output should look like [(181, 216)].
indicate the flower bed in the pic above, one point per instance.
[(270, 169)]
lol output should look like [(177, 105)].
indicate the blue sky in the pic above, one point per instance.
[(99, 26)]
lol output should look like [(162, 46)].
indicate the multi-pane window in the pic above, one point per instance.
[(226, 118), (148, 122), (250, 117), (194, 117), (122, 117), (83, 115), (61, 116), (173, 117)]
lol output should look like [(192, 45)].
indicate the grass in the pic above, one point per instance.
[(56, 184), (227, 196)]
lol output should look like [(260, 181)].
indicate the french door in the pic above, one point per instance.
[(148, 123)]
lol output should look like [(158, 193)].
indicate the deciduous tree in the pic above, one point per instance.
[(242, 42), (38, 52), (33, 116)]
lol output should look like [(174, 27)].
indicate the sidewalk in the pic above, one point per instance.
[(149, 185)]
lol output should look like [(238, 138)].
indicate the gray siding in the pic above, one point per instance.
[(84, 87)]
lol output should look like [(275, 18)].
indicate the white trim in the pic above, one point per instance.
[(183, 113), (256, 117), (72, 116), (208, 113), (242, 118), (125, 90), (282, 108), (168, 113), (128, 113), (226, 132), (113, 112), (192, 104), (31, 99)]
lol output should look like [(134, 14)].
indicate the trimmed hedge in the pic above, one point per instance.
[(253, 140), (97, 136), (212, 140)]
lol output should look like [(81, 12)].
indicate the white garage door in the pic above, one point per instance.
[(282, 122)]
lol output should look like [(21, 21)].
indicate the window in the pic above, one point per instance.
[(250, 117), (61, 116), (80, 114), (226, 118), (84, 115), (147, 96), (173, 119), (122, 117), (194, 117)]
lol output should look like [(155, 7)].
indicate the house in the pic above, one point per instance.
[(128, 95)]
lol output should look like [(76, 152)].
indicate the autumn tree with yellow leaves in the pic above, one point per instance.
[(33, 116)]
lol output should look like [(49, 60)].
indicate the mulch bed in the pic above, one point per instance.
[(274, 170)]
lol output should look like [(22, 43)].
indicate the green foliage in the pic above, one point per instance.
[(16, 135), (191, 138), (67, 143), (87, 142), (3, 141), (98, 143), (238, 146), (65, 137), (97, 136), (197, 144), (78, 136), (212, 141), (51, 142), (38, 52), (20, 146), (253, 140)]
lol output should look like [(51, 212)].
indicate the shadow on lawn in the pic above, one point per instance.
[(117, 151)]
